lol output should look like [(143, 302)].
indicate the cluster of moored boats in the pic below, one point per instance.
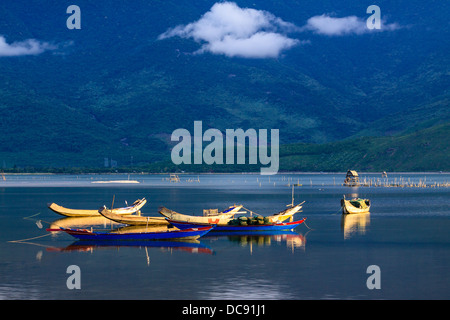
[(177, 225)]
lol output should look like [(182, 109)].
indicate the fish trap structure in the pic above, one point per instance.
[(352, 179)]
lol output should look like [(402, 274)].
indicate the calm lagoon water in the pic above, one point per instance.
[(407, 235)]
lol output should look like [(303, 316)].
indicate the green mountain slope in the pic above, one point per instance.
[(423, 150), (113, 90)]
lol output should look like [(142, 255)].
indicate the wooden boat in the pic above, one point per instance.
[(227, 216), (240, 227), (136, 206), (132, 220), (166, 234), (285, 214), (355, 205), (219, 218), (173, 177)]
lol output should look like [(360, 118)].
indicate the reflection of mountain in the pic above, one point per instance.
[(354, 223)]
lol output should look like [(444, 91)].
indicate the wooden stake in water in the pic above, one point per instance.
[(292, 203), (112, 205)]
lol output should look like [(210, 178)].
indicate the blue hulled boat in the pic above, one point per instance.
[(168, 234), (230, 227)]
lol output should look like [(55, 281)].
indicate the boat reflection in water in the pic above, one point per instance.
[(190, 246), (82, 222), (352, 224), (293, 240), (104, 224)]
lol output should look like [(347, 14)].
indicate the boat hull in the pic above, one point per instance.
[(348, 208), (186, 234), (138, 204), (133, 220), (253, 228), (285, 214), (222, 218)]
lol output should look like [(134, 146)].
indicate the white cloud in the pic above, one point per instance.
[(244, 32), (258, 45), (21, 48), (332, 26), (336, 26), (230, 30)]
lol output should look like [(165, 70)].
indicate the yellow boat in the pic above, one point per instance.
[(355, 205), (285, 214), (132, 220), (219, 218), (136, 206), (223, 218)]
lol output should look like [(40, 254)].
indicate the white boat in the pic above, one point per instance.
[(115, 181)]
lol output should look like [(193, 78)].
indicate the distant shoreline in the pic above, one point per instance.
[(215, 173)]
